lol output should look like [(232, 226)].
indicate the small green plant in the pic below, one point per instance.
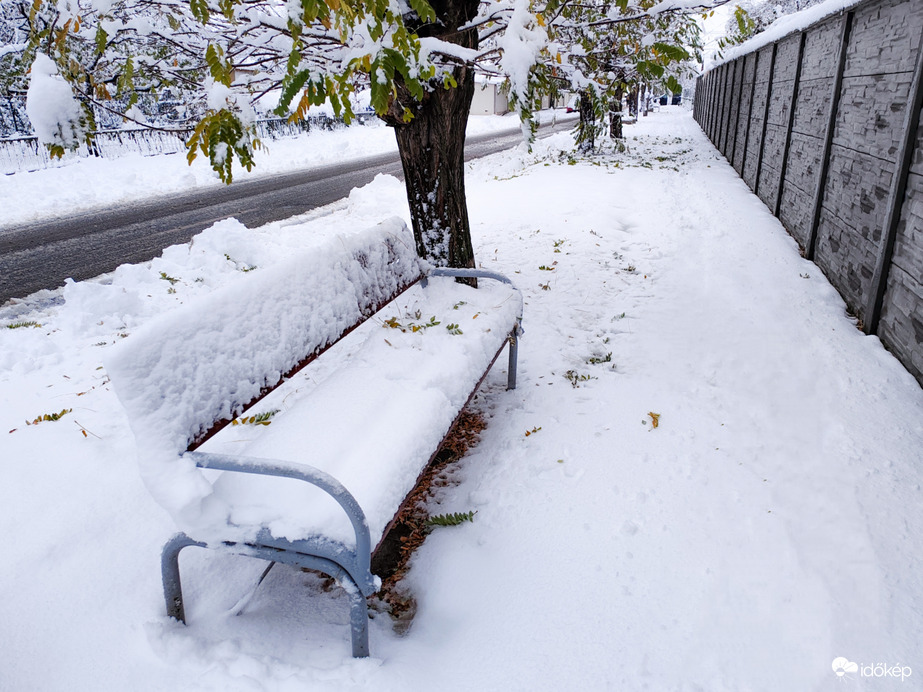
[(240, 267), (258, 419), (459, 304), (596, 360), (545, 268), (558, 244), (166, 277), (20, 325), (454, 329), (453, 519), (576, 378), (50, 417), (413, 327)]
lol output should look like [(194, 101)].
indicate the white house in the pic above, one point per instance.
[(488, 99)]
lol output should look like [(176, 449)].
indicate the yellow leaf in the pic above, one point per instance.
[(540, 19), (655, 418)]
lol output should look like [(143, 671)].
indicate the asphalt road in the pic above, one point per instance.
[(42, 255)]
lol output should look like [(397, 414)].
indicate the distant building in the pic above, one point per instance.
[(488, 98)]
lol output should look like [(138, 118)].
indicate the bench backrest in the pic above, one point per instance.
[(205, 362)]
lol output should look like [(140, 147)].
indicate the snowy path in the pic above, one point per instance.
[(770, 523)]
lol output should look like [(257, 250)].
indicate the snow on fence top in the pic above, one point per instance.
[(784, 26)]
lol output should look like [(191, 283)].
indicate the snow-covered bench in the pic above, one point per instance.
[(318, 487)]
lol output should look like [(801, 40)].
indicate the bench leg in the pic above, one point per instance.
[(514, 358), (169, 568), (173, 589), (358, 618)]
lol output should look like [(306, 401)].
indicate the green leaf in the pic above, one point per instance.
[(102, 38), (453, 519), (199, 10), (672, 51), (291, 86), (217, 65), (423, 9), (125, 81)]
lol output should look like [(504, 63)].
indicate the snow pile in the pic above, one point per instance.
[(373, 423), (201, 362), (50, 104)]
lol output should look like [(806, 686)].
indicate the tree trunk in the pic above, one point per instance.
[(615, 115), (586, 133), (432, 146), (432, 149)]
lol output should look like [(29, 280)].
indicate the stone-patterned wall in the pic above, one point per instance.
[(821, 126)]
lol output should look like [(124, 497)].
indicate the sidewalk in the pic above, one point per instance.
[(767, 525)]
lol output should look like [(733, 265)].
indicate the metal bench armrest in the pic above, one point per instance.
[(302, 472), (460, 273)]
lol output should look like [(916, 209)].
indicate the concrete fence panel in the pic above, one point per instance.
[(824, 126)]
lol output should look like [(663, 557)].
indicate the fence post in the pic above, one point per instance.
[(896, 198), (729, 107), (811, 241), (712, 98), (791, 123), (713, 108), (756, 64), (739, 89), (719, 106), (759, 156)]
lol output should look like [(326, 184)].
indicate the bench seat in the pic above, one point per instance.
[(374, 422)]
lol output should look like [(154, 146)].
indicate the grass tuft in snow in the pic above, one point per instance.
[(257, 419), (49, 417), (575, 378)]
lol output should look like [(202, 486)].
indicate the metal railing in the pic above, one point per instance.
[(22, 154)]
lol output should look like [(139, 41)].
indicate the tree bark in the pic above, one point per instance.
[(432, 148), (615, 115), (586, 134)]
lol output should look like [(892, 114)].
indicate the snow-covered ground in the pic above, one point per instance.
[(769, 524)]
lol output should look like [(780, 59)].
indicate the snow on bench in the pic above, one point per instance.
[(319, 486)]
